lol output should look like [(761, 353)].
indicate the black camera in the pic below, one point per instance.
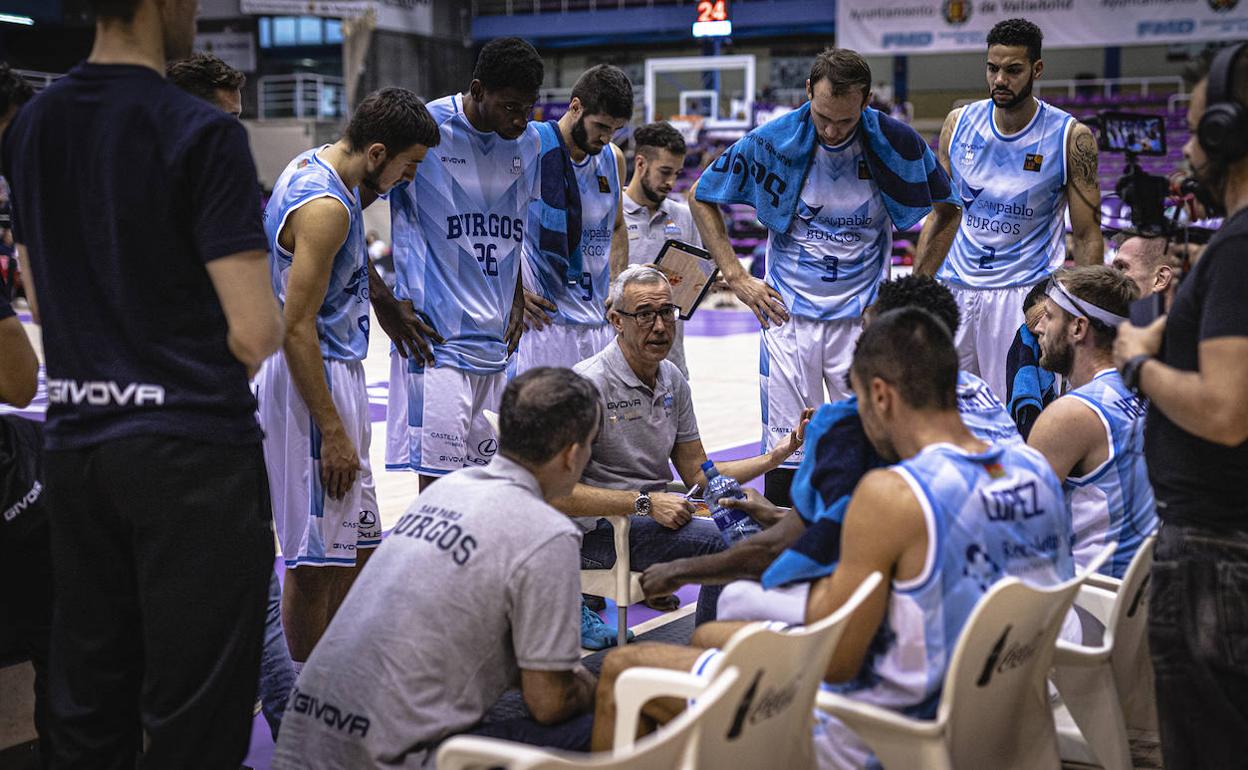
[(1135, 135)]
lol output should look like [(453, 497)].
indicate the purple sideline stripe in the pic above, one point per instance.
[(720, 323)]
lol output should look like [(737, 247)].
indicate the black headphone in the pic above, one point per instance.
[(1223, 129)]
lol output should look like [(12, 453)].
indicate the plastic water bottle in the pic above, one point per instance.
[(734, 525)]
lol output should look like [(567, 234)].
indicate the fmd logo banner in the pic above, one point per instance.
[(883, 27)]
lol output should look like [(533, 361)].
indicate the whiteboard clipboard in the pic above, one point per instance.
[(690, 271)]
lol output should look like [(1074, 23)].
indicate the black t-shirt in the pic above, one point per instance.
[(6, 309), (124, 187), (1196, 480)]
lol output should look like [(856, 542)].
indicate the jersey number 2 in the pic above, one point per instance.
[(985, 260)]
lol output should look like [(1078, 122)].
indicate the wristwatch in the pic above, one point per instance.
[(1131, 371), (642, 505)]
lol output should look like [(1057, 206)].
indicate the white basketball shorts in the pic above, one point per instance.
[(313, 528), (990, 319), (564, 345), (798, 361), (434, 421)]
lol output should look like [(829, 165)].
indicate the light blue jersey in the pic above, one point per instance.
[(989, 516), (1013, 191), (829, 264), (1113, 502), (983, 414), (342, 320), (458, 231), (585, 304)]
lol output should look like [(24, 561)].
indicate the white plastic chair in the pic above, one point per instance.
[(994, 709), (663, 749), (768, 717), (618, 582), (1108, 688)]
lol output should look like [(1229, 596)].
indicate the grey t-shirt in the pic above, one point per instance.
[(640, 425), (646, 235), (648, 232), (478, 579)]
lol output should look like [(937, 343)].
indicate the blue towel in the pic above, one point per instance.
[(767, 167), (559, 225), (1030, 388), (838, 455)]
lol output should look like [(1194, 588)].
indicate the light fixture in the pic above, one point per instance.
[(9, 18)]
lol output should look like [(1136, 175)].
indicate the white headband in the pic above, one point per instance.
[(1066, 301)]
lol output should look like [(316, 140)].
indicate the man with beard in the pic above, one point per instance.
[(1094, 435), (1017, 164), (156, 305), (572, 269), (313, 400), (650, 216), (1196, 440)]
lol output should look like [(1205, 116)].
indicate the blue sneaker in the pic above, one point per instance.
[(596, 633)]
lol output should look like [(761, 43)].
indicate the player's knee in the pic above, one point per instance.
[(616, 662)]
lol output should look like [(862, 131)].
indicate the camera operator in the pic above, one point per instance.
[(1193, 367)]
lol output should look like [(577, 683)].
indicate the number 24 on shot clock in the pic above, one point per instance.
[(713, 19)]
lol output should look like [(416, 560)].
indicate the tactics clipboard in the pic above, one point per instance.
[(690, 270)]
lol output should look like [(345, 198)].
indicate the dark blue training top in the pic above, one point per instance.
[(124, 186)]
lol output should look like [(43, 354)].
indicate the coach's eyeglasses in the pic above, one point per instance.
[(646, 317)]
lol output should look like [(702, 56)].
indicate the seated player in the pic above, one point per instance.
[(475, 591), (839, 455), (649, 426), (1094, 435), (1030, 388), (915, 521)]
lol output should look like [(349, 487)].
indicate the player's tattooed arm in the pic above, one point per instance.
[(1083, 157), (1084, 197)]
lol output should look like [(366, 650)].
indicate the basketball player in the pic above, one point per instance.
[(925, 521), (823, 272), (1018, 165), (650, 216), (1094, 435), (602, 104), (313, 401), (457, 235)]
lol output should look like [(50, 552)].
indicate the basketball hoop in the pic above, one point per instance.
[(689, 126)]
